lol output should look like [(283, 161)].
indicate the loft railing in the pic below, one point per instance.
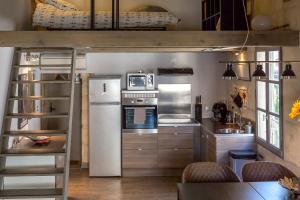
[(115, 25)]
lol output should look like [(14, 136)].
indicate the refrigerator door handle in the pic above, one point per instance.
[(104, 87)]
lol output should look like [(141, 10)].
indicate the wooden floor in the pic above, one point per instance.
[(144, 188)]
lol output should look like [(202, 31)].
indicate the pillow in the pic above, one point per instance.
[(149, 9), (61, 4)]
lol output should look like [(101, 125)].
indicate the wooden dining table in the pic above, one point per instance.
[(232, 191)]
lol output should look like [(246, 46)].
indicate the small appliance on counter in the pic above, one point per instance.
[(139, 111), (140, 81), (220, 112)]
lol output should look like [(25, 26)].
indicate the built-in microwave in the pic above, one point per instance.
[(140, 81)]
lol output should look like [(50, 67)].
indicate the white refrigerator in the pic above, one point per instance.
[(105, 126)]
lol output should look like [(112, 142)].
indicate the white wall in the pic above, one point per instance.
[(207, 72), (189, 11), (5, 62), (16, 15)]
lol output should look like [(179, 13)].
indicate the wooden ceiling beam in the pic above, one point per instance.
[(146, 39)]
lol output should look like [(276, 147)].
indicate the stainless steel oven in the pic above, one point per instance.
[(139, 111)]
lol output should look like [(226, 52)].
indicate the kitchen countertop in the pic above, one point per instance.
[(212, 126)]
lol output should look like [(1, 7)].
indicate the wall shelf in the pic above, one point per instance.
[(146, 40)]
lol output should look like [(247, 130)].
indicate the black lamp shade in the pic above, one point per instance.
[(229, 74), (259, 72), (288, 73)]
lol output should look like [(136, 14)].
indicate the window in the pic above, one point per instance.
[(269, 102)]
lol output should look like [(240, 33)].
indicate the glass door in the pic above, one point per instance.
[(140, 117)]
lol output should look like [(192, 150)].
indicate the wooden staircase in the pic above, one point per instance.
[(14, 140)]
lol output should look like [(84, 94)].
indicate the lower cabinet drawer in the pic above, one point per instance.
[(174, 158), (176, 129), (175, 140), (139, 141), (139, 158)]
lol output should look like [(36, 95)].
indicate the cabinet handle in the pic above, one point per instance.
[(175, 149), (140, 149), (104, 87)]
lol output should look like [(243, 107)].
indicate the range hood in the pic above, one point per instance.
[(174, 71)]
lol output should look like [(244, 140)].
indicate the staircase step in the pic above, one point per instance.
[(32, 171), (32, 152), (35, 133), (42, 82), (38, 98), (43, 66), (37, 115), (31, 193)]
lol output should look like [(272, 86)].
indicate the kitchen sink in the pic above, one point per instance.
[(230, 131)]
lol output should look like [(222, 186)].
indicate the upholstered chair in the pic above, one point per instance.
[(206, 172), (265, 171)]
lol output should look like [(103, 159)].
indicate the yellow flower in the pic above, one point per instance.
[(295, 111)]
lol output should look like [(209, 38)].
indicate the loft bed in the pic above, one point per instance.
[(62, 15)]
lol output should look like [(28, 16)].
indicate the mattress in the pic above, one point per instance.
[(51, 17)]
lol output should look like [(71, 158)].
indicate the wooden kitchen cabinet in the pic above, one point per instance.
[(174, 158), (139, 159), (166, 153), (203, 144), (175, 140), (175, 129), (175, 147), (139, 150), (215, 148), (211, 148), (139, 141)]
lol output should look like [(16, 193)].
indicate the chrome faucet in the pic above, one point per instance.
[(237, 118), (233, 117)]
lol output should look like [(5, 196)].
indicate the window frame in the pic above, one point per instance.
[(266, 143)]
